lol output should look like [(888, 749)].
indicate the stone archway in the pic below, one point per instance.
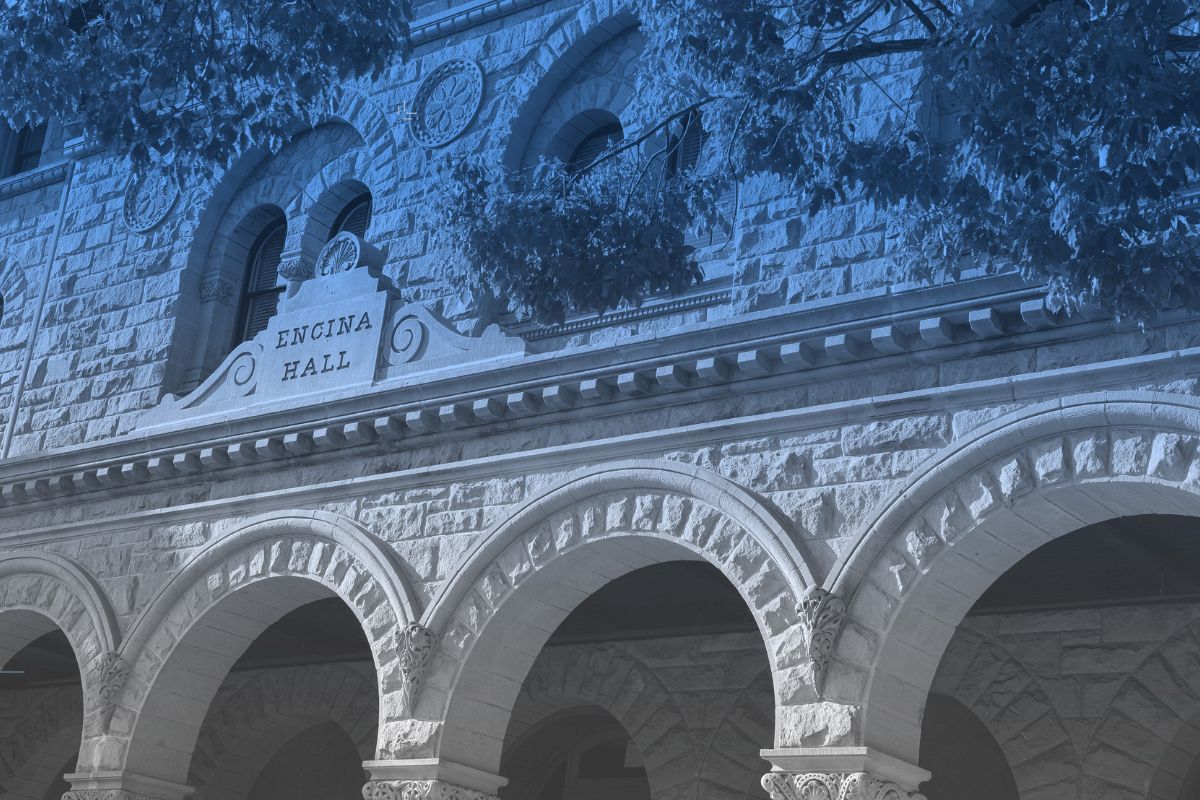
[(39, 739), (247, 726), (616, 682), (991, 683), (528, 572), (972, 513), (181, 647), (42, 591), (1148, 737)]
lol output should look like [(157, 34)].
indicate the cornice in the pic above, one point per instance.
[(701, 362), (464, 16), (34, 179)]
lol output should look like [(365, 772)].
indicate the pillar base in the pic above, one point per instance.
[(840, 773)]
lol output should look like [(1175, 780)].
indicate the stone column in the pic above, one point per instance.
[(840, 773), (428, 779), (122, 786)]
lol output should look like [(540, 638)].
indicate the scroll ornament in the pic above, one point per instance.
[(415, 645), (113, 672), (821, 614)]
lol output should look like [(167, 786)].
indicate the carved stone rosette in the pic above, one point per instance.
[(415, 644), (113, 672), (420, 790), (821, 614), (833, 786)]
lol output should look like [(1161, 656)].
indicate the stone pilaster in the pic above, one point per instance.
[(834, 786), (421, 790)]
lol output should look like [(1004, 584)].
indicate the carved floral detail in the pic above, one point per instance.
[(215, 289), (833, 786), (105, 794), (113, 672), (341, 254), (821, 614), (415, 644), (420, 790), (149, 198), (446, 102)]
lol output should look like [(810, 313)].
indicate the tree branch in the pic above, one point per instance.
[(922, 17), (875, 49)]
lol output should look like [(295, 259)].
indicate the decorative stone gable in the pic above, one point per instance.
[(334, 335)]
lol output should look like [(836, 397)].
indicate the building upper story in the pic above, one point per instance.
[(128, 298)]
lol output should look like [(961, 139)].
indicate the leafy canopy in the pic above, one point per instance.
[(1072, 134), (190, 83)]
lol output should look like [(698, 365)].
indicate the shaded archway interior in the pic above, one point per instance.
[(1125, 561), (566, 746), (296, 741), (41, 710), (1137, 559)]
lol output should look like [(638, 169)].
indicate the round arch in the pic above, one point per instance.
[(43, 591), (596, 23), (248, 727), (338, 182), (618, 683), (182, 646), (38, 743), (528, 572), (972, 512)]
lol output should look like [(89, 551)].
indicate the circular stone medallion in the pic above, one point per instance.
[(446, 102), (149, 199)]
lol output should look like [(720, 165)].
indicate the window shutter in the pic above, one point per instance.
[(593, 146), (355, 217), (261, 295)]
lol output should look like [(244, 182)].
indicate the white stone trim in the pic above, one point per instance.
[(973, 512)]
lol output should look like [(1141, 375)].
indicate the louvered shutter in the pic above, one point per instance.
[(593, 146), (262, 292), (355, 217)]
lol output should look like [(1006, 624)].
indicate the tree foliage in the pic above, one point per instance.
[(190, 83), (1073, 138)]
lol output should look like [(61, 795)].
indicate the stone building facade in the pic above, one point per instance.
[(806, 531)]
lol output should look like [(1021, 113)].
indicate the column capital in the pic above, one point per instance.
[(420, 790), (833, 786), (119, 785), (428, 779)]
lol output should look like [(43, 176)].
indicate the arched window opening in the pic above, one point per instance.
[(355, 217), (261, 291), (685, 146), (24, 151), (594, 145)]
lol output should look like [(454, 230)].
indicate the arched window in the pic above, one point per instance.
[(261, 291), (593, 145), (23, 150), (355, 217), (685, 146)]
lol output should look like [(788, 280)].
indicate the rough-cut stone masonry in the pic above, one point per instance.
[(860, 459)]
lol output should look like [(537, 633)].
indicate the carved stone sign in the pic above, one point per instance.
[(149, 198), (341, 330)]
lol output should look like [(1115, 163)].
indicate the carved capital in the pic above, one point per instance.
[(415, 645), (833, 786), (821, 614), (112, 674), (420, 790), (105, 794), (216, 289)]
